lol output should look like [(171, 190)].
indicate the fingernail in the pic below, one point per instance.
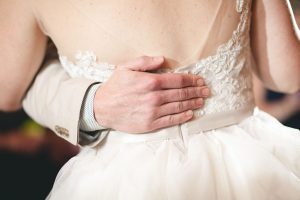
[(205, 91), (199, 102), (200, 82), (189, 113)]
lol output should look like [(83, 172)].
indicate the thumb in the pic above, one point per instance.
[(143, 63)]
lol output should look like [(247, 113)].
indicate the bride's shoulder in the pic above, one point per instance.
[(15, 6), (17, 12)]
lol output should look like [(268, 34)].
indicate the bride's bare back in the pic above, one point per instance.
[(120, 30)]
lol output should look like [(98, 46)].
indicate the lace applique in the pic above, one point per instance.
[(227, 72), (86, 66)]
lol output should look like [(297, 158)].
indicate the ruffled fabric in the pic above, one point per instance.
[(258, 158)]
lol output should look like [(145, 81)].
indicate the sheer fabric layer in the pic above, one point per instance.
[(256, 159), (251, 157)]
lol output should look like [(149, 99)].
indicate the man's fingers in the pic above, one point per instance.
[(176, 80), (160, 97), (183, 94), (143, 63), (179, 107), (172, 120)]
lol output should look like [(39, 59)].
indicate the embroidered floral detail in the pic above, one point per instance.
[(227, 72), (86, 66)]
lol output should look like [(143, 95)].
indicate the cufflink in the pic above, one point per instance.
[(62, 131)]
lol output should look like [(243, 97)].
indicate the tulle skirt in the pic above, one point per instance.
[(256, 159)]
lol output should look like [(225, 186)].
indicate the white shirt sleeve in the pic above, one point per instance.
[(90, 130)]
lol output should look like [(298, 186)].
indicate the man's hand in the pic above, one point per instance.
[(136, 101)]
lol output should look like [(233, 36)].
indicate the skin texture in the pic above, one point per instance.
[(276, 45), (23, 43), (22, 49), (161, 100)]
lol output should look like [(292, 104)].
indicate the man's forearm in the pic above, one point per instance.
[(55, 99)]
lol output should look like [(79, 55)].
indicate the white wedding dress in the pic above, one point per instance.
[(231, 150)]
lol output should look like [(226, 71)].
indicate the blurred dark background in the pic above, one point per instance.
[(31, 155)]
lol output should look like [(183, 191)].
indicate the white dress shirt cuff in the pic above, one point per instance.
[(90, 130)]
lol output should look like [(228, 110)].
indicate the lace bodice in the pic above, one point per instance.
[(227, 72)]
